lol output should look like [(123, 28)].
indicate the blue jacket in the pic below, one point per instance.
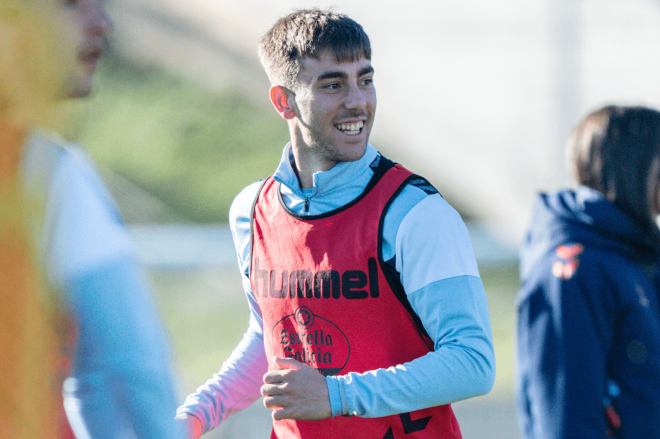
[(588, 357)]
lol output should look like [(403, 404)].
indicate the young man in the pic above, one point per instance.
[(99, 308), (368, 316)]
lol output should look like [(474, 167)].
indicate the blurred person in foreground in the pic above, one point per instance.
[(588, 314), (368, 315), (31, 320), (89, 315)]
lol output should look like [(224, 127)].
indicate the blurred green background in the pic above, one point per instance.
[(192, 148)]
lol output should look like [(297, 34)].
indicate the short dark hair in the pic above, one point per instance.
[(305, 34), (612, 150)]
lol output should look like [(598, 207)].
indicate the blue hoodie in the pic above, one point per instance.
[(588, 359)]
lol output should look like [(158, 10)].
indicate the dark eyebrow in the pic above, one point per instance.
[(342, 75), (332, 75), (365, 71)]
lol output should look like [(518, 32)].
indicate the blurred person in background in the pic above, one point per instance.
[(368, 315), (74, 302), (32, 336), (588, 360)]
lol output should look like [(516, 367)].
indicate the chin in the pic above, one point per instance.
[(78, 88), (354, 153), (79, 92)]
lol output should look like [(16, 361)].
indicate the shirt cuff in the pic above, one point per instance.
[(335, 396)]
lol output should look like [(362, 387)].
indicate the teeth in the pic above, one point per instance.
[(350, 128)]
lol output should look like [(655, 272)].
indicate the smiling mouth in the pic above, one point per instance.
[(350, 129)]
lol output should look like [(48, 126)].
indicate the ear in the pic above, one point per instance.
[(283, 101)]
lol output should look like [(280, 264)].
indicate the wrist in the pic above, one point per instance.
[(334, 393), (192, 425)]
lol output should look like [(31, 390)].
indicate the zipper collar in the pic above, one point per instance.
[(326, 181)]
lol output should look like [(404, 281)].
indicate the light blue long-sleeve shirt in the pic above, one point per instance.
[(426, 241), (122, 375)]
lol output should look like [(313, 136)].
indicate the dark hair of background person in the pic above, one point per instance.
[(305, 34), (612, 150)]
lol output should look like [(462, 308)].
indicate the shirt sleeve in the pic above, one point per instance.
[(238, 383), (84, 228), (236, 386), (437, 268), (121, 378)]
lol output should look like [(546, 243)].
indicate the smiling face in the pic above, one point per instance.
[(334, 105)]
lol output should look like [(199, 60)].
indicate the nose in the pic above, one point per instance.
[(355, 98), (97, 19)]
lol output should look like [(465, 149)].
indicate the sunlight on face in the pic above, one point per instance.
[(336, 106)]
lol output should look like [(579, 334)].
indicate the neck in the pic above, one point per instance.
[(306, 166)]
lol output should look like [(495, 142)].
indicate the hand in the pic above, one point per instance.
[(296, 392), (191, 425)]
